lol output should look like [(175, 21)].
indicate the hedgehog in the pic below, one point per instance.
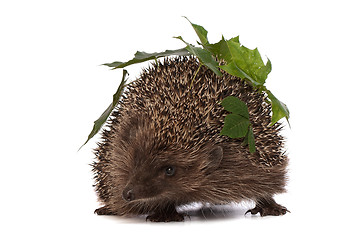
[(162, 148)]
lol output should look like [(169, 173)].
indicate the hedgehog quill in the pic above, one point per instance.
[(170, 141)]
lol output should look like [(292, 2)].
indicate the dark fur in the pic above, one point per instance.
[(162, 121)]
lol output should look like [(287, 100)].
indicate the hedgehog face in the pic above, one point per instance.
[(169, 174), (153, 169), (152, 179)]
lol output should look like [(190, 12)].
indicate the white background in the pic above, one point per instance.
[(53, 88)]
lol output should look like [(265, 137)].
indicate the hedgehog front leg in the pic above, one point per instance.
[(268, 206), (166, 214)]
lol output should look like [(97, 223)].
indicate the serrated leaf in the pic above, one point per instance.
[(263, 72), (279, 109), (252, 63), (241, 61), (220, 49), (101, 120), (235, 126), (249, 61), (204, 56), (235, 105), (143, 56), (201, 32)]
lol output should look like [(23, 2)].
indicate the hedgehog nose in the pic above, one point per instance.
[(128, 194)]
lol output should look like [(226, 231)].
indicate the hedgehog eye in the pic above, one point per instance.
[(169, 171)]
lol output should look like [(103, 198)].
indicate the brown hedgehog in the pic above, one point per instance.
[(162, 147)]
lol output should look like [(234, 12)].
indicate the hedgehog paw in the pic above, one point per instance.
[(104, 211), (268, 208), (173, 216)]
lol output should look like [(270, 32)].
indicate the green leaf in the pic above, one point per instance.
[(235, 126), (204, 56), (263, 72), (241, 61), (249, 61), (279, 109), (201, 32), (235, 105), (143, 56), (220, 49), (101, 120), (252, 63)]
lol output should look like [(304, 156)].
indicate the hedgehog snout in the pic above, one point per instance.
[(128, 194)]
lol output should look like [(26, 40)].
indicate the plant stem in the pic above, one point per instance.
[(194, 76)]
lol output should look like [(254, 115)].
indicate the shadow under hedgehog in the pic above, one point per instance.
[(162, 146)]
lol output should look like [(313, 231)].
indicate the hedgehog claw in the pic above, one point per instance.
[(254, 211), (104, 211), (268, 208)]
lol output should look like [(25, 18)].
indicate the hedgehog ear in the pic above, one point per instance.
[(215, 157)]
